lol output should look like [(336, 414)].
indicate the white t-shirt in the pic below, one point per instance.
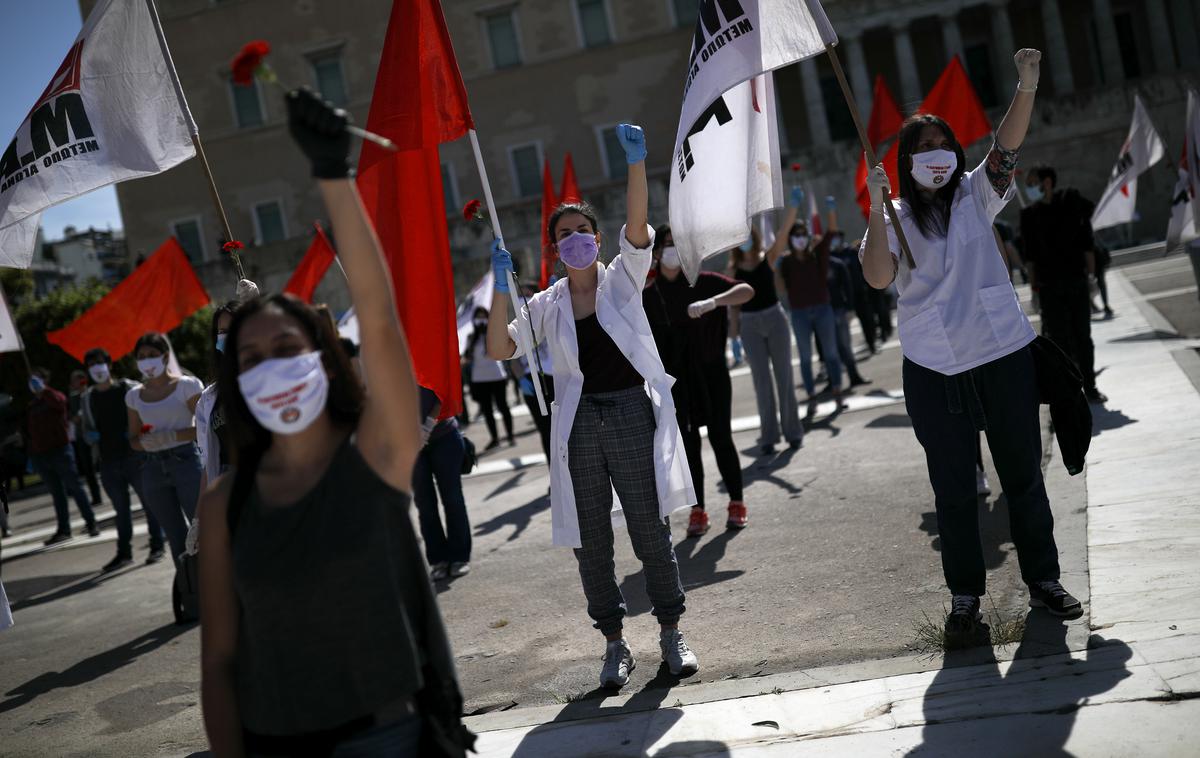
[(957, 310), (483, 368), (171, 412)]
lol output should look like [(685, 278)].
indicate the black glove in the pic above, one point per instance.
[(320, 131)]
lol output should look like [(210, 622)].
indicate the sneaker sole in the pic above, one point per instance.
[(1074, 611), (732, 525), (685, 671)]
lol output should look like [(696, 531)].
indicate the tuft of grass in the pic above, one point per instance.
[(995, 630), (498, 624)]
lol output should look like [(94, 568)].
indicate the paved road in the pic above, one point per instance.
[(837, 565)]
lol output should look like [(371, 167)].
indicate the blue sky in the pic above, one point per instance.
[(38, 35)]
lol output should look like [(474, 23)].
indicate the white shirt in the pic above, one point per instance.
[(619, 311), (483, 368), (957, 310), (170, 413)]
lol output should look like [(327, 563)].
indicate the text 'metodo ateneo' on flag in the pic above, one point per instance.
[(725, 167), (110, 113)]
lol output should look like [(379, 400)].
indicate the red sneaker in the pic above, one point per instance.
[(737, 515), (698, 523)]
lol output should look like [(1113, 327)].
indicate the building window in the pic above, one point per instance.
[(527, 169), (268, 222), (685, 12), (594, 30), (247, 105), (187, 232), (841, 123), (449, 189), (1127, 42), (328, 77), (502, 39), (615, 165)]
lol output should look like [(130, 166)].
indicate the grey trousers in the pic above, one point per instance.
[(612, 447), (766, 338)]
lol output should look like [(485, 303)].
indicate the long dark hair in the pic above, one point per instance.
[(932, 216), (248, 440), (214, 355)]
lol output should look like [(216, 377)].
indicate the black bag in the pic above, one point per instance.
[(470, 459), (185, 594), (1060, 385)]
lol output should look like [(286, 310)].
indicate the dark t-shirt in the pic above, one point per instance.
[(666, 304), (1057, 236), (47, 422), (111, 418), (605, 368), (807, 280), (762, 279)]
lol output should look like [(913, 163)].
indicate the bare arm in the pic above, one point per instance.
[(1011, 133), (879, 265), (135, 429), (736, 295), (219, 632), (500, 345), (780, 246)]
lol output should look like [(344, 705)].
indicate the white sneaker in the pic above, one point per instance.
[(618, 662), (680, 659), (460, 569), (981, 483)]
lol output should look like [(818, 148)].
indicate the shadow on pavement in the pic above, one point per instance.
[(890, 421), (508, 484), (70, 585), (1151, 336), (1106, 419), (764, 467), (90, 669), (1030, 709), (19, 590), (697, 568), (518, 518), (994, 530)]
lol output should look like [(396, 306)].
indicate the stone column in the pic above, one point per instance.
[(951, 37), (1160, 36), (814, 102), (1002, 39), (860, 79), (910, 80), (1056, 49), (1110, 51), (1187, 34)]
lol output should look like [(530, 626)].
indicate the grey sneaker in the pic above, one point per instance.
[(680, 659), (618, 662), (439, 572), (460, 569)]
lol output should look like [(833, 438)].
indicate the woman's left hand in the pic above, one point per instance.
[(633, 140), (1029, 68), (701, 307)]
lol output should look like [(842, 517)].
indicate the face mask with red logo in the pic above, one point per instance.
[(934, 169), (286, 395)]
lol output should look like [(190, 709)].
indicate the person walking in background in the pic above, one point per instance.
[(84, 454), (53, 457), (106, 425), (1061, 260), (529, 369), (968, 366), (689, 325), (162, 426), (438, 470), (489, 382), (841, 299), (764, 330), (1103, 261)]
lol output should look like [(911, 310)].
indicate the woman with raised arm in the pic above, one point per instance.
[(321, 634), (613, 421), (967, 361)]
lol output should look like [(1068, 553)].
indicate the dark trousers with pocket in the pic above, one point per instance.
[(612, 447), (1067, 320), (1001, 399), (720, 434), (438, 471)]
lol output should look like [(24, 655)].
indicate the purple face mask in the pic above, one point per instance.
[(579, 250)]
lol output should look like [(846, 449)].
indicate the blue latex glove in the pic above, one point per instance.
[(797, 197), (831, 202), (501, 265), (633, 140), (527, 386)]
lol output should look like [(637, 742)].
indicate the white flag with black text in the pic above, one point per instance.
[(1142, 149), (1185, 200), (110, 113)]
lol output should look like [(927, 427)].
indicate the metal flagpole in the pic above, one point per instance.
[(195, 132), (868, 148), (529, 343)]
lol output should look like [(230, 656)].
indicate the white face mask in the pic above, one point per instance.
[(151, 367), (934, 169), (286, 395), (99, 373), (800, 242), (1035, 193), (670, 257)]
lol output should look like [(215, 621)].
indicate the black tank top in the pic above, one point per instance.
[(762, 279), (605, 368)]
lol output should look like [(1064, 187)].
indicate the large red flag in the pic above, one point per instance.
[(954, 98), (156, 297), (419, 102), (570, 185), (312, 268), (886, 120), (549, 201)]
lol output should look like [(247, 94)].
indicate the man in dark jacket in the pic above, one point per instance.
[(1061, 262), (844, 269), (52, 456)]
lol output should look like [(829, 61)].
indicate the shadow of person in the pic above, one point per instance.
[(696, 569), (970, 708), (91, 669), (1106, 419), (519, 518), (994, 530)]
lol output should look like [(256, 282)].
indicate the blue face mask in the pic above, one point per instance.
[(221, 342), (1035, 193), (36, 384)]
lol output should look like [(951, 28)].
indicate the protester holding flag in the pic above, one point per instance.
[(967, 362), (321, 631), (614, 424), (690, 324)]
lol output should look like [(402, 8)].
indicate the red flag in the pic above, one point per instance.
[(886, 118), (156, 297), (955, 100), (419, 102), (549, 201), (312, 267), (570, 185)]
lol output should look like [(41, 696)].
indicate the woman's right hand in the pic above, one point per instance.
[(879, 185), (502, 264)]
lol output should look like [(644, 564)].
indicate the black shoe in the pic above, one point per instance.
[(768, 450), (5, 532), (858, 381), (795, 445), (155, 556), (120, 562), (1052, 597), (964, 617), (57, 537), (93, 530), (1095, 396), (492, 445)]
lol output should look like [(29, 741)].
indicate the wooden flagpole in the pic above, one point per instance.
[(868, 148)]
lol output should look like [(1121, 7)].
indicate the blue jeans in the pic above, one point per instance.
[(170, 489), (57, 470), (441, 461), (735, 344), (117, 477), (817, 319)]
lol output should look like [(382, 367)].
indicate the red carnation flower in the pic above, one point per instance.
[(147, 428), (796, 167), (471, 211), (248, 61), (232, 246)]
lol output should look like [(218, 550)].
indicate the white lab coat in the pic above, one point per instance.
[(620, 313), (206, 438)]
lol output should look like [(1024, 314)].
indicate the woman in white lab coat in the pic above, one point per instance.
[(613, 421)]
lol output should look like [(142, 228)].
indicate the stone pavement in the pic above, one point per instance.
[(1132, 690)]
